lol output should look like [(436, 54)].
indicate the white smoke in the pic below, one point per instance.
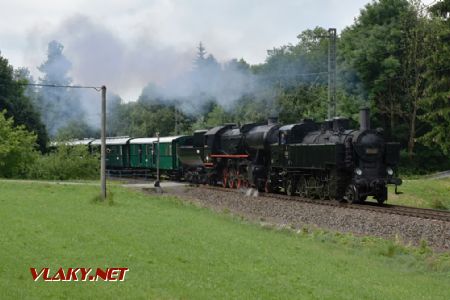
[(99, 56)]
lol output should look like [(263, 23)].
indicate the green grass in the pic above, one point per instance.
[(176, 250), (428, 193)]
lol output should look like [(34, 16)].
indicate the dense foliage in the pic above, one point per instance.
[(17, 148), (16, 103), (65, 163)]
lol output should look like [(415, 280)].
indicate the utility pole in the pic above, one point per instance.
[(157, 161), (103, 146), (331, 73), (176, 120)]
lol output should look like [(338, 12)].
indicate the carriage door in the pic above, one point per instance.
[(140, 155), (154, 154)]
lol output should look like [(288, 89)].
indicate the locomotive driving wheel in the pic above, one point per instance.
[(324, 192), (290, 187), (267, 186), (351, 194), (381, 196), (311, 187), (232, 179), (225, 178), (239, 180), (321, 192), (301, 187)]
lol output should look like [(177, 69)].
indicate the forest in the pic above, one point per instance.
[(394, 58)]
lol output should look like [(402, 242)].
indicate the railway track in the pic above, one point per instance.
[(423, 213)]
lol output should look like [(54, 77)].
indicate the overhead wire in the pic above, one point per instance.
[(98, 89)]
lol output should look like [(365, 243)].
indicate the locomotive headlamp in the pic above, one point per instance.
[(358, 171), (389, 171)]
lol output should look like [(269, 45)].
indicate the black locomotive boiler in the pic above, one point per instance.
[(320, 160), (230, 155), (329, 160)]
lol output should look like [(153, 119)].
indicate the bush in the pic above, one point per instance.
[(424, 161), (17, 148), (67, 162)]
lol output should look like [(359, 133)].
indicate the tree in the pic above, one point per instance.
[(17, 101), (76, 129), (385, 49), (201, 55), (437, 100), (57, 105), (218, 116), (17, 149)]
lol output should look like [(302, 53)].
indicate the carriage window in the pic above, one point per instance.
[(282, 138)]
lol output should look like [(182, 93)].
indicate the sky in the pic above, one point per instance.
[(126, 44)]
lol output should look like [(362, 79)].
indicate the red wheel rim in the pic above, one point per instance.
[(239, 181), (232, 181), (224, 178)]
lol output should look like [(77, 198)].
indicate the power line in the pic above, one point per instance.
[(276, 76), (98, 89)]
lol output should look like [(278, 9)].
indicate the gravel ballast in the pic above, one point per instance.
[(296, 214)]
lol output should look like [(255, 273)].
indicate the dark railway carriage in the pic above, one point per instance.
[(192, 158)]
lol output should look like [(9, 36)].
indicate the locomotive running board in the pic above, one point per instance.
[(229, 155)]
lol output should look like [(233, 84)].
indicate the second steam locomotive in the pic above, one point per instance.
[(319, 160)]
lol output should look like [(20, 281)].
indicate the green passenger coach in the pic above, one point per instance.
[(117, 152), (142, 152)]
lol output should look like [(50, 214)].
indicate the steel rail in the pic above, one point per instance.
[(424, 213)]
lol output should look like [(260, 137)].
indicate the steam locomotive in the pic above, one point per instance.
[(318, 160)]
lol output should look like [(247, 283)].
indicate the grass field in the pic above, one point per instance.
[(428, 193), (177, 250)]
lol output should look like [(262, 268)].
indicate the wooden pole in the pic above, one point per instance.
[(157, 161), (103, 147), (332, 73)]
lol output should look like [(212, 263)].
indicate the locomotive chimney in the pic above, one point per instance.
[(364, 118), (272, 120)]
